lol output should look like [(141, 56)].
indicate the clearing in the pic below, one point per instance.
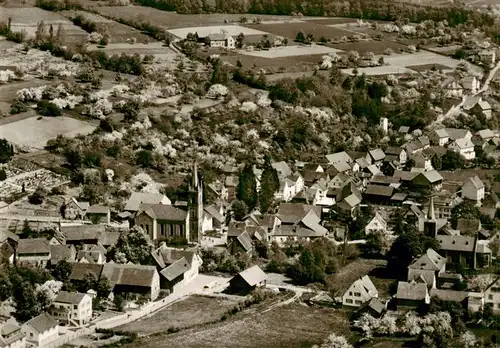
[(420, 58), (293, 325), (34, 132), (291, 29), (375, 46), (154, 48), (380, 70), (291, 51), (192, 311), (28, 18), (233, 30)]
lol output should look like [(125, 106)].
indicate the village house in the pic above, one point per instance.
[(73, 308), (11, 336), (464, 147), (429, 180), (213, 218), (481, 108), (248, 280), (378, 194), (282, 168), (239, 240), (75, 210), (62, 252), (473, 189), (231, 184), (492, 295), (80, 272), (40, 330), (34, 252), (98, 214), (471, 84), (8, 246), (359, 293), (91, 254), (377, 223), (220, 40), (464, 250), (82, 234), (177, 267), (377, 156), (137, 198), (487, 57), (452, 88), (374, 307), (130, 278), (400, 154), (422, 161), (339, 157), (162, 221), (427, 268), (348, 199), (412, 294), (298, 221)]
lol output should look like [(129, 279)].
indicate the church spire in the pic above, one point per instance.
[(195, 182), (431, 215)]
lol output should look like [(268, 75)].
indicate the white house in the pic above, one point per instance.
[(377, 223), (40, 330), (492, 295), (473, 189), (452, 89), (360, 292), (72, 307), (11, 336), (75, 210), (471, 84), (223, 40), (441, 137), (465, 147)]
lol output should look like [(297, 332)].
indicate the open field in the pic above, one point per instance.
[(420, 58), (117, 32), (205, 31), (189, 312), (380, 70), (375, 46), (291, 51), (293, 325), (275, 65), (28, 18), (290, 30), (332, 20), (34, 133), (154, 48)]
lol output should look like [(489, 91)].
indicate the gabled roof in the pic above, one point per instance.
[(486, 134), (79, 270), (253, 275), (82, 232), (384, 180), (245, 241), (379, 190), (475, 181), (98, 209), (33, 246), (468, 226), (432, 176), (464, 143), (218, 36), (431, 261), (129, 274), (405, 175), (41, 323), (61, 252), (338, 157), (177, 268), (138, 198), (5, 235), (69, 297), (214, 213), (441, 133), (163, 212), (295, 212), (282, 168), (109, 238), (450, 295), (411, 291), (394, 150), (457, 133), (456, 243), (82, 205), (377, 154)]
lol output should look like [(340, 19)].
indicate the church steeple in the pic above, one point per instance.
[(195, 182), (195, 204), (431, 215)]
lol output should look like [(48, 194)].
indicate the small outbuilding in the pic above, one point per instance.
[(248, 280)]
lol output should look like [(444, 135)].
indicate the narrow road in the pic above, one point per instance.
[(486, 84)]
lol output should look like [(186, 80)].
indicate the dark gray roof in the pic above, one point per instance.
[(431, 261), (163, 212), (405, 175), (61, 252), (394, 150), (379, 190), (384, 180), (69, 297), (245, 241), (80, 269), (4, 235), (129, 274), (42, 323), (98, 209), (411, 291), (449, 295), (176, 269), (82, 232), (33, 246), (294, 212), (108, 239), (165, 256), (456, 243)]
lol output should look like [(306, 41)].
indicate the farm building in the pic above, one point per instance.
[(248, 280), (221, 40)]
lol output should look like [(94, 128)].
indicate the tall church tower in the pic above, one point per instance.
[(195, 206), (430, 224)]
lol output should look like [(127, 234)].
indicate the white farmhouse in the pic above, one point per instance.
[(40, 330), (360, 292), (465, 147), (11, 336), (72, 308), (377, 223), (473, 189), (492, 295), (222, 40)]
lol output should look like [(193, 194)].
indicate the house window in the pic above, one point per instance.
[(350, 293), (358, 302), (357, 294), (348, 300), (181, 230), (75, 306), (490, 297)]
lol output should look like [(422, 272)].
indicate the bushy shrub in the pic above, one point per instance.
[(46, 108)]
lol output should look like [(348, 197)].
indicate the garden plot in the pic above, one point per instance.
[(291, 51), (28, 18), (420, 58), (31, 180), (233, 30), (290, 30), (34, 132)]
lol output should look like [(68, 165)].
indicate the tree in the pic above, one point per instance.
[(437, 162), (465, 210), (452, 160), (247, 187), (468, 340), (144, 158), (46, 108), (118, 302), (334, 341), (239, 40), (387, 168), (6, 151), (62, 271), (59, 34), (436, 331), (40, 32), (300, 37), (239, 209), (377, 243), (25, 302), (269, 184), (38, 196), (135, 245), (405, 248)]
